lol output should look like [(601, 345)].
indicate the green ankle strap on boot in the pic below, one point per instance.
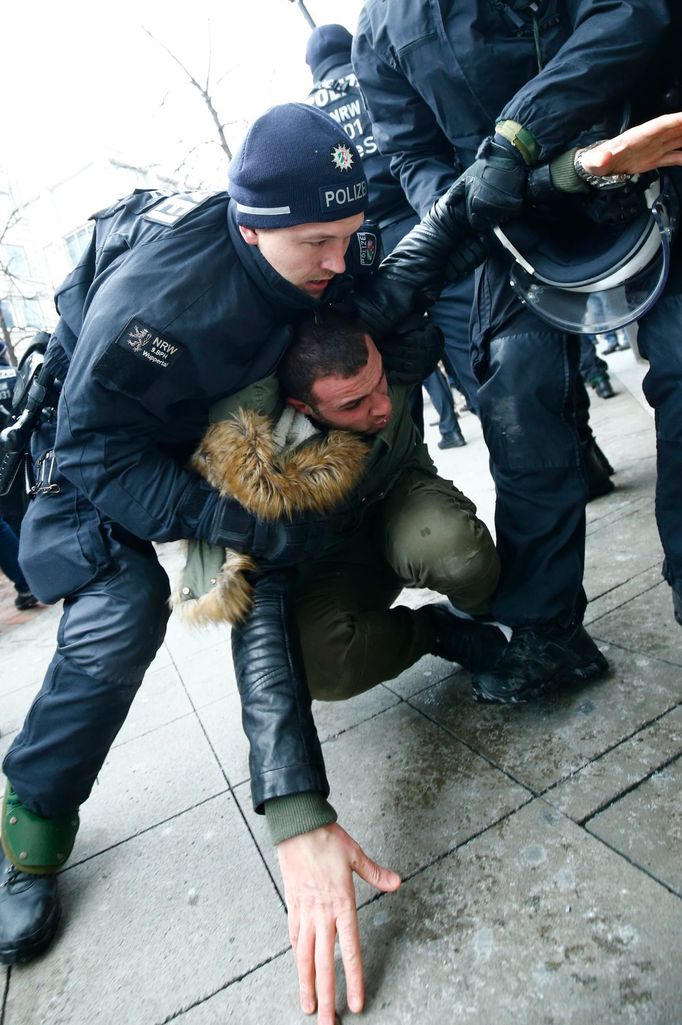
[(32, 843)]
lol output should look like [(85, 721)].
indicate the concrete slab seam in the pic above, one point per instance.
[(628, 789), (606, 751), (632, 651), (635, 864), (469, 746), (408, 877), (431, 683), (221, 989), (5, 995), (141, 832), (227, 781), (623, 583)]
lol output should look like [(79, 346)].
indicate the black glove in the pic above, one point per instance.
[(411, 354), (616, 205), (494, 185), (440, 249), (280, 543)]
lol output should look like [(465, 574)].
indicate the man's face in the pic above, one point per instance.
[(359, 403), (307, 255)]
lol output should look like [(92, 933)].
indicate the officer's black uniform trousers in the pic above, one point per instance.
[(660, 340), (112, 625), (528, 374)]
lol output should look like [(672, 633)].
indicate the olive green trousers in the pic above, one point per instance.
[(425, 533)]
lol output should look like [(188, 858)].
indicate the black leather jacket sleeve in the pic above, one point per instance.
[(285, 756)]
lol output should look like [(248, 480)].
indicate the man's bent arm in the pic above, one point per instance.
[(288, 781)]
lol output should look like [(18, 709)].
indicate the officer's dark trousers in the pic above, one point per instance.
[(110, 630), (591, 364), (441, 398), (527, 406), (660, 340), (452, 314)]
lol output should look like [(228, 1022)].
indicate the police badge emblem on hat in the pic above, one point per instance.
[(342, 158)]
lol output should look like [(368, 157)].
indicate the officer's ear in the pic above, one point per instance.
[(250, 235)]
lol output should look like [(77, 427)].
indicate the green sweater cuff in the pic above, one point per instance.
[(564, 176), (297, 813)]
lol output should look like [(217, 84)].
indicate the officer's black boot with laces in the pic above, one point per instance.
[(29, 913), (537, 659), (475, 646)]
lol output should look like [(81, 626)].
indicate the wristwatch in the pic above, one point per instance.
[(598, 181)]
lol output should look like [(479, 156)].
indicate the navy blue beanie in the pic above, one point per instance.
[(325, 41), (296, 166)]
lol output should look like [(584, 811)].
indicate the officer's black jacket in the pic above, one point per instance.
[(168, 319), (437, 75)]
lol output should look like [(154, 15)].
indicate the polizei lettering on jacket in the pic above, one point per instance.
[(335, 197)]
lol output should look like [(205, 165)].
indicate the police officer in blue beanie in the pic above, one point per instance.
[(180, 301)]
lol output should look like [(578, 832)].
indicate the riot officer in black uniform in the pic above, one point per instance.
[(515, 84)]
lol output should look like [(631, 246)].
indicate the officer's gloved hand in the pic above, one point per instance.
[(494, 185), (277, 544), (411, 354), (616, 205), (440, 249)]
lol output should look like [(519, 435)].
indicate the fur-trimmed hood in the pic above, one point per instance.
[(273, 471)]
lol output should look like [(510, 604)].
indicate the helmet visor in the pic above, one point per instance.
[(612, 302)]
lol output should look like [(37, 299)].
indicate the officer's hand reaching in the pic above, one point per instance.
[(494, 185)]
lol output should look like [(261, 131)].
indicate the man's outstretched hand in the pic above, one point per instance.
[(317, 869)]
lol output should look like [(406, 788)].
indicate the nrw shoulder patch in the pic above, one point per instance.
[(170, 210), (148, 345)]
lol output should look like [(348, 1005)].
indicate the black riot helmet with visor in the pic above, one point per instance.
[(588, 277)]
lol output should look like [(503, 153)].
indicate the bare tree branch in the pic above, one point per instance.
[(204, 92)]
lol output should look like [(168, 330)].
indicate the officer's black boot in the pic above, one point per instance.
[(475, 646), (677, 605), (33, 849), (537, 659), (29, 913)]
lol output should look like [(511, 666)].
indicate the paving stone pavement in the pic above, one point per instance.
[(540, 847)]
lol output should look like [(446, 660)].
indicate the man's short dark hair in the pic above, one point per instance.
[(325, 343)]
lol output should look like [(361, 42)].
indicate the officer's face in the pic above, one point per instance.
[(359, 403), (307, 255)]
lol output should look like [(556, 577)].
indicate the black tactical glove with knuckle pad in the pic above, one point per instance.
[(494, 185)]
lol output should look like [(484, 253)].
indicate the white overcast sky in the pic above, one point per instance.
[(79, 79)]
